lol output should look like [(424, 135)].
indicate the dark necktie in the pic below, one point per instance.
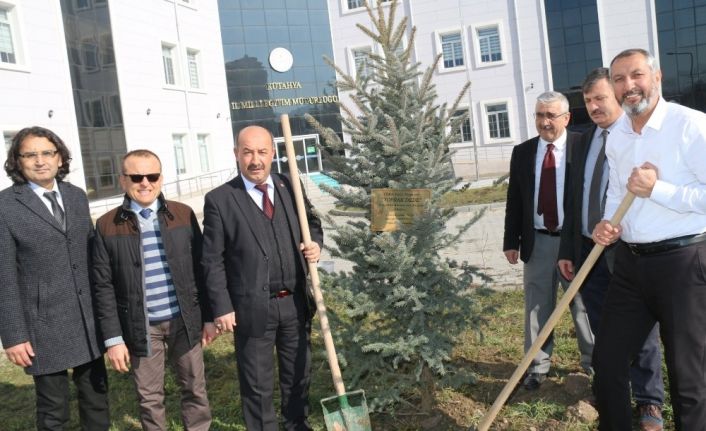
[(596, 198), (146, 213), (546, 201), (267, 207), (56, 209)]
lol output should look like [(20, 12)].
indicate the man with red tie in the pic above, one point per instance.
[(255, 267), (533, 221)]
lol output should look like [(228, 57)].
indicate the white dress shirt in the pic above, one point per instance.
[(256, 194), (674, 140), (560, 159), (39, 191)]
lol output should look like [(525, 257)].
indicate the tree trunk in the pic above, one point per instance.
[(428, 387)]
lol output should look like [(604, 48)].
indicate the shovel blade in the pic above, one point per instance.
[(348, 412)]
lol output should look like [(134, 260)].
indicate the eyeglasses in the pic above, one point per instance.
[(548, 115), (46, 154), (137, 178)]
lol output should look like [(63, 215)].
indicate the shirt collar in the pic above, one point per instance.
[(136, 208), (559, 142), (610, 128), (39, 190), (655, 121), (249, 185)]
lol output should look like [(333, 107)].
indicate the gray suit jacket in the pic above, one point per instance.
[(45, 295), (235, 261)]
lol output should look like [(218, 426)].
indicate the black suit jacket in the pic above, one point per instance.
[(571, 241), (235, 261), (519, 207)]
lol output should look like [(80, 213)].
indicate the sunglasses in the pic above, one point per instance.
[(137, 178)]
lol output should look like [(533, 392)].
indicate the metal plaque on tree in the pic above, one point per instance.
[(390, 207)]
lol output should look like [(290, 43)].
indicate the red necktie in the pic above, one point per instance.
[(267, 207), (546, 202)]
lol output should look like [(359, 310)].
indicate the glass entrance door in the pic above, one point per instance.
[(306, 151)]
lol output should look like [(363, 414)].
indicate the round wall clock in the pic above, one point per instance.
[(281, 59)]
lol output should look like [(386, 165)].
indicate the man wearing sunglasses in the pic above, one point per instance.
[(149, 294), (47, 321)]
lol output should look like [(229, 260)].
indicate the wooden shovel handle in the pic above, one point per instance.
[(576, 283), (313, 270)]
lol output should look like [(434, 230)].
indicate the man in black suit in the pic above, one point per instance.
[(47, 323), (255, 267), (583, 209), (533, 222)]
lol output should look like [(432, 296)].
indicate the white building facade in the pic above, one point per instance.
[(505, 50), (110, 77), (179, 76)]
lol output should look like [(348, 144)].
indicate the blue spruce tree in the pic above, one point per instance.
[(398, 313)]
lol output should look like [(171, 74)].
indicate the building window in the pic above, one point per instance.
[(106, 174), (355, 4), (106, 49), (361, 61), (202, 141), (489, 45), (192, 58), (90, 56), (7, 45), (168, 63), (498, 120), (452, 50), (179, 156), (466, 133), (7, 136)]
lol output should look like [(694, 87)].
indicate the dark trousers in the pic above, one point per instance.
[(288, 330), (669, 288), (646, 370), (52, 390)]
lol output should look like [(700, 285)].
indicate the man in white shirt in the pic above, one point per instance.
[(533, 222), (658, 154)]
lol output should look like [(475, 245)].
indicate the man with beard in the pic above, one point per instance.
[(254, 263), (533, 222), (583, 208), (658, 154)]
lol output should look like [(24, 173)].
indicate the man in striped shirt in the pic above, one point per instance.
[(149, 293)]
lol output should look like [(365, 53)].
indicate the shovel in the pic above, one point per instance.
[(352, 413), (487, 420)]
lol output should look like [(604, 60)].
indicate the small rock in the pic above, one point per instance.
[(577, 383), (583, 412)]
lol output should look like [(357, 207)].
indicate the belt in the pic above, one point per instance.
[(643, 249), (281, 294), (548, 232)]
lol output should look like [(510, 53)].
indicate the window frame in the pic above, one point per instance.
[(475, 28), (466, 123), (172, 49), (486, 120), (180, 166), (345, 10), (438, 35), (353, 68), (203, 143), (197, 66), (14, 20)]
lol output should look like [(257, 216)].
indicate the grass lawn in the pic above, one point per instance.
[(492, 355)]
